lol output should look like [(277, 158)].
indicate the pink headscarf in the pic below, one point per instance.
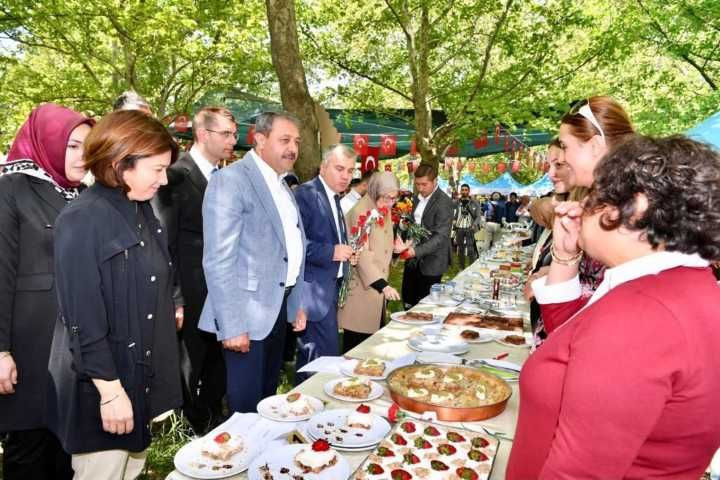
[(43, 138)]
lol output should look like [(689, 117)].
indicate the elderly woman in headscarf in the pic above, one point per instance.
[(41, 176), (363, 311)]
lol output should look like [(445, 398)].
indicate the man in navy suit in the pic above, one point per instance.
[(327, 255)]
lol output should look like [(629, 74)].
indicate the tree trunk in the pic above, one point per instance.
[(294, 92)]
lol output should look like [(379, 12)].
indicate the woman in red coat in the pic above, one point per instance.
[(627, 384)]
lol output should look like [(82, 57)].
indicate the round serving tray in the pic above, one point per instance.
[(450, 414)]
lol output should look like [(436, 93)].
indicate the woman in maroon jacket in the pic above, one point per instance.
[(627, 384)]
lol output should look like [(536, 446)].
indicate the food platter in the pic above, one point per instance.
[(454, 392)]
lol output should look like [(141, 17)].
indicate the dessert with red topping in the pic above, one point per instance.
[(455, 437), (420, 442), (480, 442), (411, 459), (375, 469), (222, 446), (408, 427), (439, 466), (398, 439), (360, 418), (432, 431), (400, 474), (466, 473), (447, 449), (477, 456), (316, 457)]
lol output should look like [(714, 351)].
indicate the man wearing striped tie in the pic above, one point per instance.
[(179, 207), (328, 254)]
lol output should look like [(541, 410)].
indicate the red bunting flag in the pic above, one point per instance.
[(501, 167), (360, 144), (388, 145), (413, 147), (250, 138), (369, 162), (497, 134), (410, 167), (506, 145), (453, 151)]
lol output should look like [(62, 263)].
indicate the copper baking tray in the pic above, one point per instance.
[(451, 414)]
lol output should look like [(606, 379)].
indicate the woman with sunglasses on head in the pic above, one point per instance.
[(364, 309), (627, 386), (114, 283), (587, 132), (41, 176)]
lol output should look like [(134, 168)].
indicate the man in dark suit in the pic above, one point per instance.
[(429, 259), (327, 255), (179, 206)]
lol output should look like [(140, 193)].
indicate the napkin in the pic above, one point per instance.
[(324, 364)]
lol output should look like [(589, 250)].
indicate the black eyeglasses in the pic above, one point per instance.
[(224, 133)]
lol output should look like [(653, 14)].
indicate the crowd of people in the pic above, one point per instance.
[(171, 283)]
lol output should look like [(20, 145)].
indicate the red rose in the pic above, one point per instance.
[(381, 221), (364, 239), (383, 211), (361, 220), (395, 218), (354, 230)]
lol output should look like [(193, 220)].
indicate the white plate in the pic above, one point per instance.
[(438, 343), (348, 368), (397, 317), (188, 460), (285, 457), (438, 357), (443, 301), (456, 330), (376, 391), (334, 421), (270, 408), (527, 344)]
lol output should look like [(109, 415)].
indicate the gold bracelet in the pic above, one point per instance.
[(565, 261)]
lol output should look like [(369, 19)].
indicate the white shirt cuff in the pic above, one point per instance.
[(557, 292)]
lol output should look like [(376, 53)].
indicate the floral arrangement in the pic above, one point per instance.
[(358, 238), (406, 227)]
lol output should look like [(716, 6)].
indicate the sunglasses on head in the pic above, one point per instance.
[(583, 109)]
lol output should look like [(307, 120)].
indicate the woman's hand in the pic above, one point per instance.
[(399, 246), (8, 374), (115, 407), (390, 293), (566, 229), (527, 290)]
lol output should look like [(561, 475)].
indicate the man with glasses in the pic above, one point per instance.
[(328, 254), (179, 206), (468, 217)]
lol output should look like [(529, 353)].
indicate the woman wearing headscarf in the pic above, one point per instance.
[(362, 313), (114, 284), (42, 174)]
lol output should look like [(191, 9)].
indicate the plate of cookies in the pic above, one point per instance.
[(353, 389)]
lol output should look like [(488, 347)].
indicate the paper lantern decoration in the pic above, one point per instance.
[(515, 166), (501, 167)]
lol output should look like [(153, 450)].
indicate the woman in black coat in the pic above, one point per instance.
[(114, 286), (42, 174)]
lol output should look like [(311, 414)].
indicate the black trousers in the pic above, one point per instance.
[(203, 372), (353, 339), (35, 454), (255, 375), (465, 238), (416, 286)]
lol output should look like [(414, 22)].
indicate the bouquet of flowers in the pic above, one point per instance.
[(407, 228), (358, 238)]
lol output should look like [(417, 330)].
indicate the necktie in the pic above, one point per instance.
[(343, 232), (215, 169)]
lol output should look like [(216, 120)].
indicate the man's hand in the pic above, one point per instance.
[(241, 343), (8, 374), (354, 259), (390, 293), (300, 321), (342, 253), (179, 317)]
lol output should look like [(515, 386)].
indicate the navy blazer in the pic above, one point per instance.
[(322, 236)]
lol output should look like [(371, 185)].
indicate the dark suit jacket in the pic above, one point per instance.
[(178, 205), (320, 269), (433, 253), (28, 307)]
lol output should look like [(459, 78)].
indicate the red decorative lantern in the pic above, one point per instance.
[(515, 167), (413, 147), (501, 167)]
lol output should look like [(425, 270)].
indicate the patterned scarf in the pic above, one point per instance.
[(28, 167)]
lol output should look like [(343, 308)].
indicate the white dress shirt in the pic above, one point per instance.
[(349, 201), (639, 267), (331, 198), (288, 215), (422, 203), (203, 164)]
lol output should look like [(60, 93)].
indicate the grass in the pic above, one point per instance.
[(174, 432)]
